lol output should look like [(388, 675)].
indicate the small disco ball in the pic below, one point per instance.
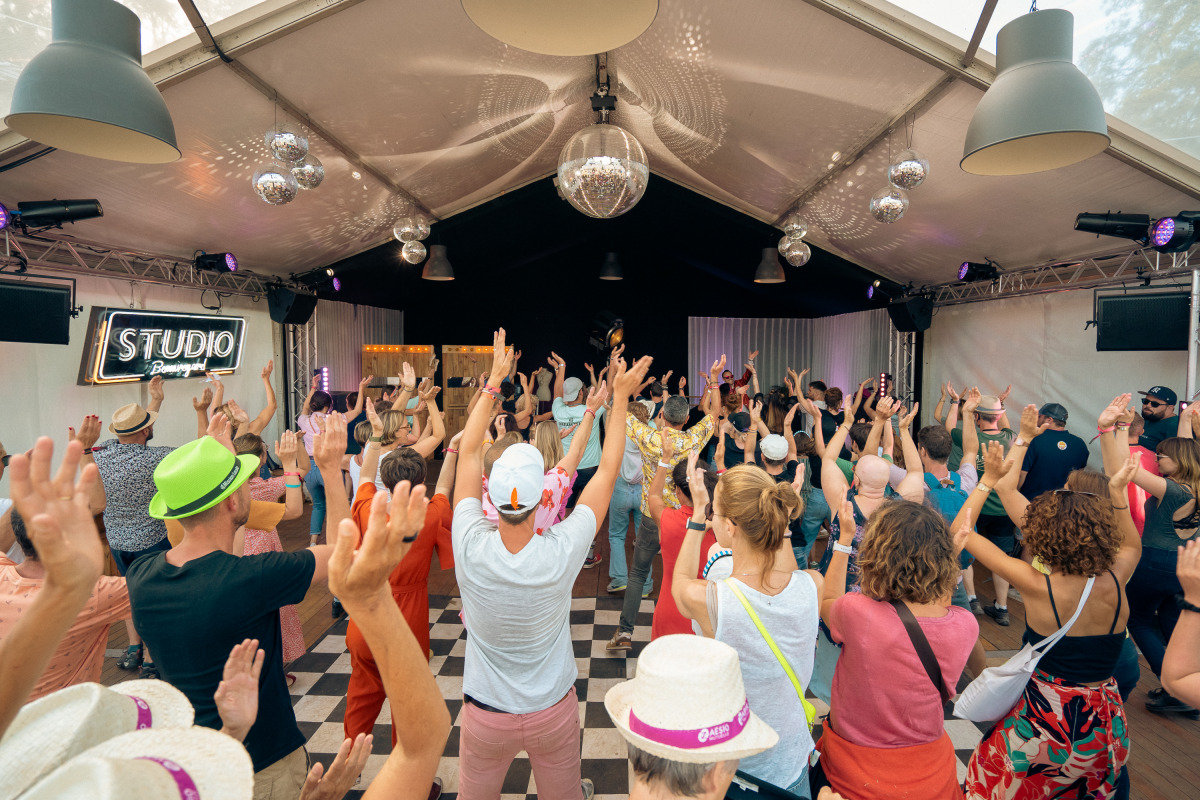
[(784, 243), (422, 227), (795, 227), (286, 143), (413, 252), (909, 170), (889, 204), (275, 184), (308, 173), (603, 171), (405, 230), (798, 253)]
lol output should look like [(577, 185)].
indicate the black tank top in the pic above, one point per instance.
[(1081, 659)]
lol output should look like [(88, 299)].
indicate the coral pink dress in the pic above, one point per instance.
[(256, 542)]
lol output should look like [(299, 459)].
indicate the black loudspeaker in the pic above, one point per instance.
[(911, 314), (289, 307), (1137, 321), (35, 312)]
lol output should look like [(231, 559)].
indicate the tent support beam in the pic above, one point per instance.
[(985, 16), (1193, 335)]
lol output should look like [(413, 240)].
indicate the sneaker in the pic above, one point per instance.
[(614, 587), (1160, 703), (997, 613), (976, 606), (1015, 594), (592, 561), (132, 658), (620, 641), (588, 787), (435, 791), (149, 672), (647, 588), (337, 608)]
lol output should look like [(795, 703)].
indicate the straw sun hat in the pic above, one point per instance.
[(688, 703), (51, 730), (130, 419), (156, 764)]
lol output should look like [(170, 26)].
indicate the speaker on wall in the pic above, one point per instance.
[(1138, 320), (35, 312), (289, 307), (911, 314)]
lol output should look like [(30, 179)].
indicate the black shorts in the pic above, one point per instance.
[(999, 530)]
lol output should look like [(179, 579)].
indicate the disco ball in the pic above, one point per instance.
[(405, 229), (798, 253), (308, 173), (784, 244), (603, 171), (889, 204), (795, 227), (275, 184), (286, 143), (422, 226), (413, 252), (909, 170)]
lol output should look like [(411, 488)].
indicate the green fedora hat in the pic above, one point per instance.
[(196, 477)]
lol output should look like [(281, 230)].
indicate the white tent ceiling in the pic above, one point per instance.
[(751, 103)]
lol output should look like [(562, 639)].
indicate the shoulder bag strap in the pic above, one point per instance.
[(1053, 638), (921, 645), (809, 710)]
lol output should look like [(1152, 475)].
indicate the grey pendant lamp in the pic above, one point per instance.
[(611, 271), (87, 92), (438, 268), (1041, 112), (769, 269)]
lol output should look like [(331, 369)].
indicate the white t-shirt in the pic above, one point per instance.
[(517, 608)]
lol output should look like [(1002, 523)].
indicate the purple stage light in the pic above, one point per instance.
[(962, 271), (337, 284), (870, 292), (1162, 231), (5, 217), (231, 262)]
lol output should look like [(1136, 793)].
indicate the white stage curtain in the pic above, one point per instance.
[(841, 351), (343, 329), (1039, 345)]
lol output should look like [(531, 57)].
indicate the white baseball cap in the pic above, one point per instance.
[(571, 388), (774, 447), (517, 478)]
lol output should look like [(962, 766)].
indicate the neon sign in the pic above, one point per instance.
[(128, 345)]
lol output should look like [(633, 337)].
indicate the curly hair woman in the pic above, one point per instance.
[(886, 726), (751, 512), (1067, 733)]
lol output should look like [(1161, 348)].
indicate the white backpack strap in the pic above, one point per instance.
[(1050, 640)]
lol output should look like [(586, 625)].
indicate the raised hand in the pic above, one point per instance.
[(683, 381), (972, 400), (1114, 411), (221, 429), (239, 416), (330, 445), (626, 381), (362, 384), (596, 397), (753, 355), (205, 400), (89, 431), (287, 450), (268, 369), (408, 378), (1004, 395), (885, 408), (314, 385), (798, 481), (741, 390), (1029, 423), (500, 424), (846, 524), (359, 578), (156, 389), (501, 360), (787, 419), (555, 360), (57, 515), (716, 369), (750, 368), (791, 387), (994, 465), (950, 391), (756, 411), (1124, 476), (907, 419), (667, 377), (565, 432), (345, 769), (588, 367), (961, 535), (942, 394), (237, 693), (696, 486), (668, 446)]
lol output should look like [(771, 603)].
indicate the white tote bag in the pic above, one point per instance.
[(997, 689)]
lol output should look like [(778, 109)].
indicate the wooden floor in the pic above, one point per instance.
[(1164, 761)]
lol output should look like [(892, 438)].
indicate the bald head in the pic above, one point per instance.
[(872, 472)]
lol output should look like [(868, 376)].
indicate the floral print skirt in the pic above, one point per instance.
[(1061, 739)]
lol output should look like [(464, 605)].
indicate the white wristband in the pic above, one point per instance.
[(665, 464), (838, 547)]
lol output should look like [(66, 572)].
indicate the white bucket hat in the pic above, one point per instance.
[(156, 764), (517, 478), (688, 703), (51, 730), (774, 447)]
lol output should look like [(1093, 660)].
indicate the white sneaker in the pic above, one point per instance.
[(1015, 594), (588, 787)]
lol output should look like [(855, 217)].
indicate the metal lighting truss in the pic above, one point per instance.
[(902, 359), (1099, 270), (60, 253), (301, 344)]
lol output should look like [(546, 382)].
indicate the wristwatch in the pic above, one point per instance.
[(1019, 442), (838, 547), (692, 525)]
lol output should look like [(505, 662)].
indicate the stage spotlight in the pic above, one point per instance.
[(884, 288), (608, 331), (1174, 234), (329, 271), (5, 217), (1122, 226), (971, 271), (216, 262), (337, 284), (53, 213)]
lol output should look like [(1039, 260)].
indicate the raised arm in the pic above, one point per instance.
[(752, 436), (952, 416), (912, 485), (304, 409), (408, 384), (937, 410), (260, 423), (89, 432), (598, 492), (437, 427), (202, 405), (1114, 445), (352, 413), (469, 481), (1181, 665), (682, 386), (1131, 541), (285, 451), (789, 434), (560, 373), (445, 482), (373, 447), (1007, 488), (583, 430), (689, 592), (328, 448), (1003, 421), (839, 562), (970, 435), (156, 394), (591, 374), (832, 479)]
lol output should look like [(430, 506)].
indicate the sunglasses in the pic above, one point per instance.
[(4, 459), (1146, 401), (1074, 491)]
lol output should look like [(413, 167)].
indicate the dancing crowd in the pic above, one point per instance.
[(812, 545)]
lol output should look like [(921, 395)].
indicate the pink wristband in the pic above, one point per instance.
[(297, 474), (589, 411), (1109, 429)]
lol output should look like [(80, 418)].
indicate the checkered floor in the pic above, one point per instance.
[(323, 674)]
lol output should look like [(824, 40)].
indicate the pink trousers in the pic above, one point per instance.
[(490, 741)]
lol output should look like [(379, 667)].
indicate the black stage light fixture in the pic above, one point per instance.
[(972, 271), (1122, 226), (53, 213), (216, 262), (1175, 234), (885, 288), (608, 331)]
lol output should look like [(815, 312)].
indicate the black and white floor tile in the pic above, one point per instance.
[(323, 674)]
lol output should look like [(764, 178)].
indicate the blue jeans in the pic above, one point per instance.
[(816, 511), (316, 487), (626, 498), (1151, 591)]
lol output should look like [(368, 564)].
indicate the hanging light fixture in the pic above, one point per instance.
[(308, 172), (286, 142), (413, 252), (602, 169), (438, 268), (87, 93), (555, 28), (275, 184), (405, 230), (611, 270), (1041, 112), (769, 269)]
